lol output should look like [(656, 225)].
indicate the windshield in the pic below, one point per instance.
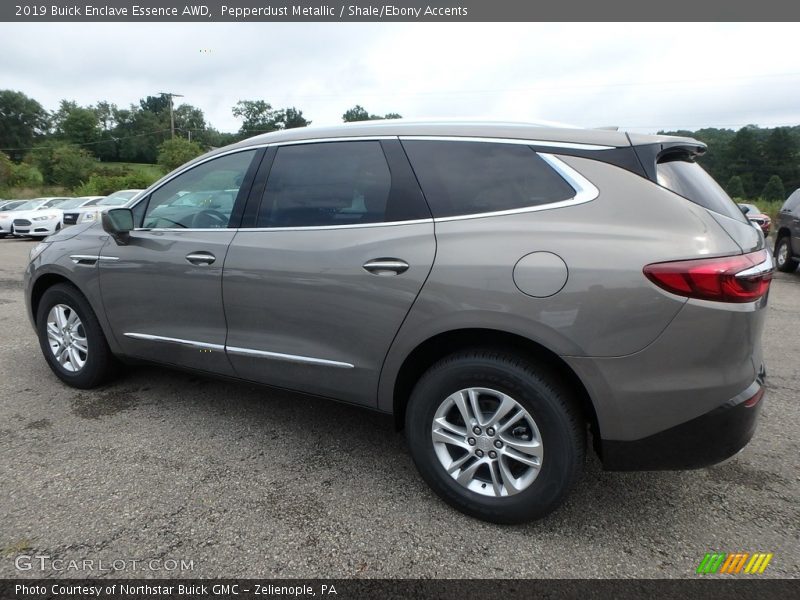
[(12, 205), (751, 209), (29, 205), (53, 203), (688, 179), (117, 199), (70, 203)]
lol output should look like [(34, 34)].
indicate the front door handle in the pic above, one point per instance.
[(385, 266), (201, 258)]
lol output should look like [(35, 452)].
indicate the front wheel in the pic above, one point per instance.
[(71, 338), (783, 255), (495, 436)]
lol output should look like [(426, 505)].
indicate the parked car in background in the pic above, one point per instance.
[(7, 217), (501, 289), (756, 217), (11, 204), (91, 200), (93, 210), (787, 234), (41, 221)]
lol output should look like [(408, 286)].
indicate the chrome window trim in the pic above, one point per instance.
[(492, 140), (306, 360), (585, 191)]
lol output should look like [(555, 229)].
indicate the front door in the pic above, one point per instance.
[(162, 291)]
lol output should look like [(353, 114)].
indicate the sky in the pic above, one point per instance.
[(638, 76)]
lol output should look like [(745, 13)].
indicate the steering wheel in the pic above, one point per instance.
[(209, 219)]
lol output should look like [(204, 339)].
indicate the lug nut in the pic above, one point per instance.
[(498, 444), (471, 441), (476, 430), (479, 453), (490, 431), (492, 454)]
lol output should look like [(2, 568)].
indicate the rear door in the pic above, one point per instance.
[(340, 244), (162, 291)]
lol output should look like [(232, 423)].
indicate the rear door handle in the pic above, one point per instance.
[(201, 258), (385, 266)]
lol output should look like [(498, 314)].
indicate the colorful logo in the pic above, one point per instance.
[(736, 562)]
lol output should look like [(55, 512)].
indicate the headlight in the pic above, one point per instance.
[(89, 216), (37, 250), (45, 218)]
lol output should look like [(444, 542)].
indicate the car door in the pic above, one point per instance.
[(340, 244), (162, 290)]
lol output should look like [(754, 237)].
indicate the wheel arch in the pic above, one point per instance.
[(428, 352), (42, 284)]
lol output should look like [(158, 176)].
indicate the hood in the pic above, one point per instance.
[(69, 232)]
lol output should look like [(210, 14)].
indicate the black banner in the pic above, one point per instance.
[(404, 589)]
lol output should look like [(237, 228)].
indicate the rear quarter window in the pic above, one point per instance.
[(467, 178), (688, 179)]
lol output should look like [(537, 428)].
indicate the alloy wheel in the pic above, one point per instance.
[(67, 338), (487, 442)]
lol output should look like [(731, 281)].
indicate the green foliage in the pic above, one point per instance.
[(258, 116), (61, 163), (359, 113), (173, 153), (753, 154), (734, 187), (22, 120), (18, 175), (774, 190), (102, 185)]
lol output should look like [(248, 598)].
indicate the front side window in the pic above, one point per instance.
[(467, 178), (200, 198), (323, 184)]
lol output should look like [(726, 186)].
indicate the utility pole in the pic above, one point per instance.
[(171, 114)]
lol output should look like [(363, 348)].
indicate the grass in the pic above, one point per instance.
[(145, 169)]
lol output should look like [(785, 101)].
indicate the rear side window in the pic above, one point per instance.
[(689, 180), (467, 178), (333, 183)]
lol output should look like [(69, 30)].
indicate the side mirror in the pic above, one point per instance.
[(744, 210), (118, 222)]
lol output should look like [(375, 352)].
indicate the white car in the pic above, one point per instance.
[(93, 210), (41, 221), (22, 213)]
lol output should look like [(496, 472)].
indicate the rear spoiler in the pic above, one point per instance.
[(650, 152)]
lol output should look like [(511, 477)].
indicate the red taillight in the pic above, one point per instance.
[(742, 278)]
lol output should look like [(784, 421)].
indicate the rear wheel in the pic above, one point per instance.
[(783, 255), (495, 436), (71, 338)]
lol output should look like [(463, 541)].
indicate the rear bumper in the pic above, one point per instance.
[(701, 442)]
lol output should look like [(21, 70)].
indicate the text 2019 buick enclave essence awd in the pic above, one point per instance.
[(504, 290)]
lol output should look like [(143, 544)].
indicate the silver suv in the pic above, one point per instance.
[(505, 291)]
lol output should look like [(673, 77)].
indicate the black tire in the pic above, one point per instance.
[(789, 265), (100, 364), (559, 422)]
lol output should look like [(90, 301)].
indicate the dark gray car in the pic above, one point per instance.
[(787, 234), (505, 291)]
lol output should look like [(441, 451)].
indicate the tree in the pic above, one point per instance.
[(293, 118), (774, 189), (22, 120), (359, 113), (75, 124), (61, 163), (177, 151), (258, 116), (744, 159), (734, 187), (155, 104)]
